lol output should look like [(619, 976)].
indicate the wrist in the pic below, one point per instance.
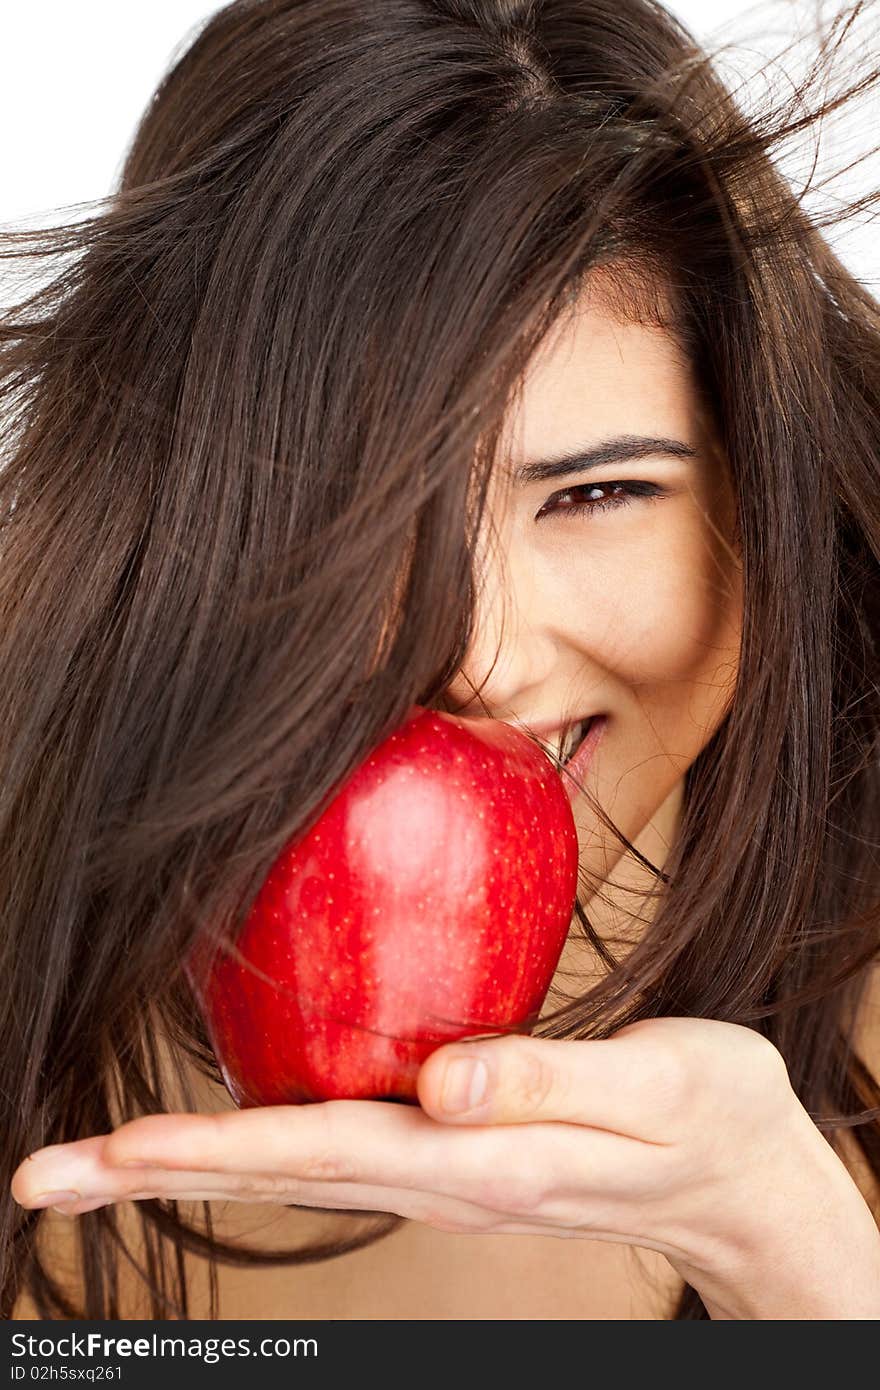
[(796, 1277), (805, 1246)]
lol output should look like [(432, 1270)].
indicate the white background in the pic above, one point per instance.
[(75, 76)]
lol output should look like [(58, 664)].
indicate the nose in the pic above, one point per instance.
[(513, 650)]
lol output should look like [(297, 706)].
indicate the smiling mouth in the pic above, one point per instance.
[(566, 745)]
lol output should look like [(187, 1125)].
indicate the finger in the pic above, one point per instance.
[(369, 1143), (354, 1141), (49, 1173), (561, 1174), (140, 1184), (624, 1084), (290, 1149)]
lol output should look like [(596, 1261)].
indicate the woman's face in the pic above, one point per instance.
[(632, 611)]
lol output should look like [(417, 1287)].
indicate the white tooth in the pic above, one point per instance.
[(579, 732), (571, 740)]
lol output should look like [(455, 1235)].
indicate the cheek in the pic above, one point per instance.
[(666, 618)]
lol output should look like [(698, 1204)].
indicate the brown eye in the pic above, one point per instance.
[(600, 497)]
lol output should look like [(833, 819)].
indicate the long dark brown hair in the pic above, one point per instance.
[(249, 409)]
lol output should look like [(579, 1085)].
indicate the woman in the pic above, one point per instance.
[(294, 440)]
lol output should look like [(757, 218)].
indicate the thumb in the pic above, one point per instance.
[(500, 1081)]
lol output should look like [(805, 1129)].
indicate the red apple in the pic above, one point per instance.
[(429, 902)]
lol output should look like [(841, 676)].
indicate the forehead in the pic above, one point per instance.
[(600, 372)]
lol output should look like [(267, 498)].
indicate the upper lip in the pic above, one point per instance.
[(545, 730), (549, 732)]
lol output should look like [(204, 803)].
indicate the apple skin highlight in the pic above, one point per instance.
[(429, 902)]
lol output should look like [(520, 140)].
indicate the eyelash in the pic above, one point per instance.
[(648, 492)]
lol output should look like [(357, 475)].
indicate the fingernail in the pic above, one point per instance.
[(464, 1085), (48, 1199)]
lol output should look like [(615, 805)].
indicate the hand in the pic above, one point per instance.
[(678, 1135)]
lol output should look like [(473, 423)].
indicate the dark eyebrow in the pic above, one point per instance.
[(616, 450)]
